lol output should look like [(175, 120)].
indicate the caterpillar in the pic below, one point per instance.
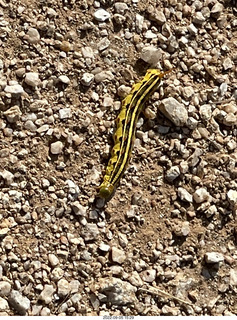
[(132, 105)]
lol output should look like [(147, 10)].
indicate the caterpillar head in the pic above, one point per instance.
[(106, 190)]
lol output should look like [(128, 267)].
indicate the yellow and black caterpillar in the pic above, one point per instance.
[(127, 119)]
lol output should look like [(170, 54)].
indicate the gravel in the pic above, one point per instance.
[(170, 225)]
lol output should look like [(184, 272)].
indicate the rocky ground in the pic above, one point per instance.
[(165, 244)]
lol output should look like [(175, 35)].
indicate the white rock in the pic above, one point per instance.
[(117, 255), (139, 20), (18, 302), (13, 114), (227, 63), (104, 247), (159, 17), (151, 55), (90, 232), (7, 176), (214, 257), (53, 260), (87, 79), (198, 18), (120, 7), (101, 15), (148, 275), (233, 277), (56, 147), (192, 29), (33, 36), (64, 113), (174, 111), (87, 52), (232, 196), (117, 292), (201, 195), (47, 294), (78, 209), (217, 9), (103, 44), (104, 75), (184, 195), (29, 125), (5, 288), (16, 89), (3, 304), (32, 79), (205, 111), (64, 79), (63, 288)]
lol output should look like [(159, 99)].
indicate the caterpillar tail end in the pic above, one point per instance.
[(106, 190)]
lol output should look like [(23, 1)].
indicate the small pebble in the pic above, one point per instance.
[(56, 147), (101, 15), (32, 79), (214, 257), (184, 195), (117, 255), (33, 36), (174, 111), (151, 55)]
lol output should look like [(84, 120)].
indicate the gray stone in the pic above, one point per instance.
[(18, 302), (90, 232), (205, 111), (227, 63), (5, 288), (103, 75), (172, 173), (56, 147), (184, 195), (117, 292), (32, 79), (174, 111), (29, 125), (151, 55), (117, 255), (3, 304), (101, 15)]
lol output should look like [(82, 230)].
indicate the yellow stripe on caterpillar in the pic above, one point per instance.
[(132, 106)]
